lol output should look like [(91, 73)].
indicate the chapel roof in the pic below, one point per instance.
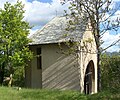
[(55, 32)]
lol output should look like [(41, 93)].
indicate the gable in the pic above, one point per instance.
[(55, 32)]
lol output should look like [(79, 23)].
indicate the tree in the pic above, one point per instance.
[(110, 68), (14, 51), (98, 13)]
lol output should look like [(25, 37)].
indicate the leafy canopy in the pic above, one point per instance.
[(13, 36)]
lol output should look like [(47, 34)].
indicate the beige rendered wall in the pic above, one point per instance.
[(35, 75), (59, 71), (89, 53)]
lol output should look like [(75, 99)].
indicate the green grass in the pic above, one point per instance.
[(105, 95), (37, 94)]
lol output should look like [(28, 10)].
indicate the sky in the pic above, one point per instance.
[(39, 12), (41, 1)]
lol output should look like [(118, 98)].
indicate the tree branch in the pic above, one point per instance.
[(115, 42)]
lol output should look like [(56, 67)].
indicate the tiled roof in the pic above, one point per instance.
[(55, 32)]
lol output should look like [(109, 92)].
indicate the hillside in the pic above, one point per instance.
[(37, 94)]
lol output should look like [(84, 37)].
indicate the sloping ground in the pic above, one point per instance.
[(36, 94), (105, 95)]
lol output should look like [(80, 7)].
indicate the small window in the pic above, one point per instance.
[(39, 59)]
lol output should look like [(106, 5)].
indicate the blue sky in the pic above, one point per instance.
[(45, 1), (39, 12)]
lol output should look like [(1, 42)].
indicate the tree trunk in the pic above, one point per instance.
[(99, 72), (2, 73)]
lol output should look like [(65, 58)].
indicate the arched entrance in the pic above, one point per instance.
[(89, 79)]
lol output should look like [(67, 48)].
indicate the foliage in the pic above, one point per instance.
[(14, 51), (19, 77), (105, 95), (110, 71)]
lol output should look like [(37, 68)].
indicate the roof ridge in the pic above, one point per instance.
[(54, 30)]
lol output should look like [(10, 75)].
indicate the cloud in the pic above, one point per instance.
[(39, 13), (3, 1), (109, 39), (110, 36), (117, 13), (32, 32), (116, 0)]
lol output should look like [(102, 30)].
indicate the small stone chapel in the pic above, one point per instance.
[(52, 69)]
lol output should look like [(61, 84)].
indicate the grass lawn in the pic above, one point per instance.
[(37, 94)]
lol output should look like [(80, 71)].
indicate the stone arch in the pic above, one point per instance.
[(89, 78)]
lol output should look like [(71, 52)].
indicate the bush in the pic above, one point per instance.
[(110, 72), (19, 77)]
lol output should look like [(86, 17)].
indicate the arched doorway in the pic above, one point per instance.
[(89, 79)]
